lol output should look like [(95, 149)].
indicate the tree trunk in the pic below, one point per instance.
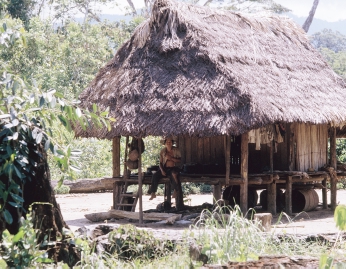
[(39, 195), (134, 12), (309, 19)]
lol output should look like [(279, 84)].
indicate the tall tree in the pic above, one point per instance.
[(309, 19), (327, 38)]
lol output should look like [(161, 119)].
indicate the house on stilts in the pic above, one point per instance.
[(246, 95)]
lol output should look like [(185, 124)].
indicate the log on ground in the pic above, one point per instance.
[(119, 214)]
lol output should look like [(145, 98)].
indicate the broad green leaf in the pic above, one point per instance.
[(7, 216), (75, 168), (15, 205), (53, 102), (76, 152), (46, 145), (32, 98), (42, 101), (17, 198), (18, 236), (15, 122), (78, 112), (39, 137), (3, 264), (4, 116), (18, 173), (340, 217), (94, 108), (15, 136)]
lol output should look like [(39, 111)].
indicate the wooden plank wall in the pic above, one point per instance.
[(311, 143), (206, 150)]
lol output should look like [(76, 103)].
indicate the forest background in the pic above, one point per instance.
[(62, 54)]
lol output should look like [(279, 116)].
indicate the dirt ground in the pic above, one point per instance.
[(75, 206)]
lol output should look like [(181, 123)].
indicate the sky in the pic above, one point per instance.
[(328, 10)]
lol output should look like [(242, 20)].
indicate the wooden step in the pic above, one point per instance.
[(128, 195), (124, 204)]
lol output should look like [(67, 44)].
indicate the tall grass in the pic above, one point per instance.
[(226, 235)]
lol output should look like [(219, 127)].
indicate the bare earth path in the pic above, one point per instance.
[(75, 206)]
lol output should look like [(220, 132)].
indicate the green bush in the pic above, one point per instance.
[(63, 189), (129, 243)]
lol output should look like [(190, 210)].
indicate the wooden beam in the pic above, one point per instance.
[(116, 156), (271, 187), (140, 181), (228, 158), (333, 163), (244, 164)]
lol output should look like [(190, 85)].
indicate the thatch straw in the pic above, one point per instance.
[(200, 71)]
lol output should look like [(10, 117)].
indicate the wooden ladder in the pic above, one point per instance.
[(123, 193)]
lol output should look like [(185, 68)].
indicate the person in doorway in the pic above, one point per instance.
[(169, 158)]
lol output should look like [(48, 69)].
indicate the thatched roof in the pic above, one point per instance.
[(200, 71)]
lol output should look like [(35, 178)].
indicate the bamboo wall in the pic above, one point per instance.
[(204, 150), (311, 146), (309, 150)]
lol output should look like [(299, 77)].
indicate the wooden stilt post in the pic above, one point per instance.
[(244, 164), (324, 194), (228, 158), (116, 169), (140, 180), (272, 186), (217, 192), (125, 157), (116, 156), (288, 196), (333, 164)]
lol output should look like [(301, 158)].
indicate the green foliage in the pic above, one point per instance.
[(340, 217), (19, 9), (63, 189), (21, 250), (233, 237), (337, 60), (26, 117), (129, 243), (329, 39)]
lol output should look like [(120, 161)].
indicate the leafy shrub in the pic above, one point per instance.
[(21, 250), (63, 189), (129, 243), (233, 237)]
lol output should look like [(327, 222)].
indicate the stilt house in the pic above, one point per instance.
[(246, 93)]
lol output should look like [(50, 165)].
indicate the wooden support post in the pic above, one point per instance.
[(116, 194), (228, 158), (116, 156), (324, 194), (217, 192), (125, 157), (333, 164), (272, 186), (288, 196), (244, 164), (140, 181), (168, 192), (290, 141)]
